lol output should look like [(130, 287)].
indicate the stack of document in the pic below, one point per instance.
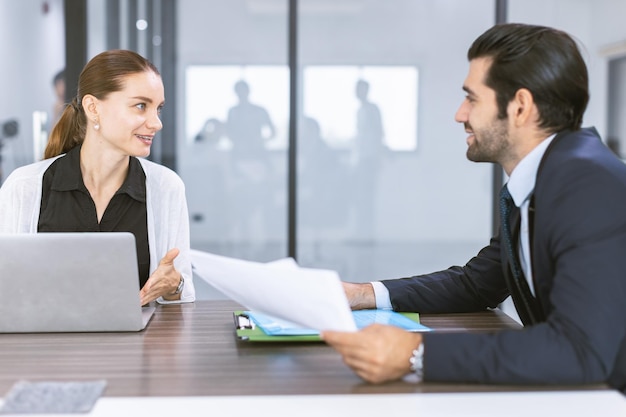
[(285, 299), (312, 298)]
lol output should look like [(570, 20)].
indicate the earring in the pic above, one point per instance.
[(97, 125)]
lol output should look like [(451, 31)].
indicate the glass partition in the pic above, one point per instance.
[(383, 185), (384, 188), (232, 149)]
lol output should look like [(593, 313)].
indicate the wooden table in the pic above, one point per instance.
[(191, 350)]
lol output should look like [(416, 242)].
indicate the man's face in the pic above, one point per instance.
[(488, 139)]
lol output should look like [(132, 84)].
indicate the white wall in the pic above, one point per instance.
[(32, 48)]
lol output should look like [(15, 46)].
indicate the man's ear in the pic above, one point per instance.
[(90, 105), (522, 108)]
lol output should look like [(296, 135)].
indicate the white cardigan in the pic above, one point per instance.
[(168, 218)]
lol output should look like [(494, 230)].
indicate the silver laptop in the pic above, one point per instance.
[(70, 282)]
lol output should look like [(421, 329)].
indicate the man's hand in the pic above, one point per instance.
[(163, 281), (360, 296), (378, 353)]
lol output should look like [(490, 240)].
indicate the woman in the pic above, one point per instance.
[(92, 179)]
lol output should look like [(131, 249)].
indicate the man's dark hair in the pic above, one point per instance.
[(543, 60)]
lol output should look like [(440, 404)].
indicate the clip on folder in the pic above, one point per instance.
[(247, 331)]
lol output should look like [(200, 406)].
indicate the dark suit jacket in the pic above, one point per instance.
[(578, 254)]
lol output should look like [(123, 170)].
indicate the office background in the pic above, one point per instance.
[(382, 186)]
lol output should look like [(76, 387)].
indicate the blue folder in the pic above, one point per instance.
[(254, 326)]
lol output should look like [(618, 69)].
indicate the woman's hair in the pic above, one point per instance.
[(104, 74), (543, 60)]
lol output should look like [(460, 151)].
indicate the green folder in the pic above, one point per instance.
[(246, 331)]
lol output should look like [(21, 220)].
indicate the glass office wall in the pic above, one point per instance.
[(384, 188), (234, 125), (383, 185)]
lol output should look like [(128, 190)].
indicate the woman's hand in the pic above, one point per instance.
[(163, 281)]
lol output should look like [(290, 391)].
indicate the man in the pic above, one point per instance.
[(527, 90)]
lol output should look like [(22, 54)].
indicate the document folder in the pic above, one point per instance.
[(249, 326)]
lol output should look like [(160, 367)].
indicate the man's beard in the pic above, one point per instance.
[(490, 144)]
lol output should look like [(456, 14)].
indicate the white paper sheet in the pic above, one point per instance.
[(312, 298)]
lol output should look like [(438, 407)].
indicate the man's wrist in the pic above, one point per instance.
[(360, 295)]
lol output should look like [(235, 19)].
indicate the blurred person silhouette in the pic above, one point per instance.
[(322, 178), (8, 129), (249, 127), (58, 84), (369, 147), (211, 132)]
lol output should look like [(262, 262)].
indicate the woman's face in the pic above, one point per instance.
[(130, 118)]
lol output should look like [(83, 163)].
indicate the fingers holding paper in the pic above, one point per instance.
[(378, 353)]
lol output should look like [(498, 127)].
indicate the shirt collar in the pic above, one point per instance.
[(135, 183), (70, 178), (522, 180)]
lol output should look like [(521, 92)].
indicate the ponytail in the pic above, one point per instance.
[(68, 132)]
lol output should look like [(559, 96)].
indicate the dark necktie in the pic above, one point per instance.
[(527, 306), (506, 203)]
